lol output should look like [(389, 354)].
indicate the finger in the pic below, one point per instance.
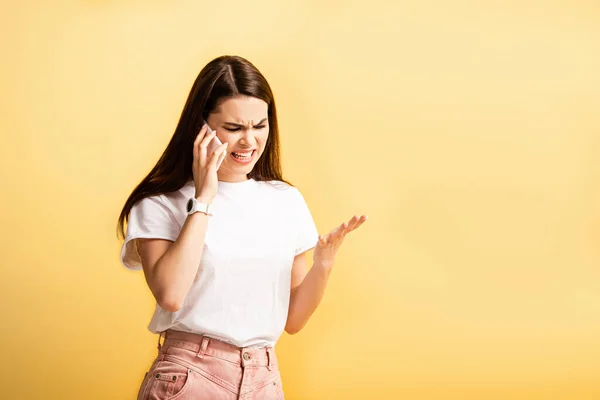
[(198, 142), (207, 138), (351, 224), (203, 147), (355, 222), (217, 153), (322, 240), (341, 230), (337, 232), (361, 221), (195, 149)]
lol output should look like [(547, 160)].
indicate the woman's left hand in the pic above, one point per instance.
[(328, 245)]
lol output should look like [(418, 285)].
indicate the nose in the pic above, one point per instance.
[(247, 136)]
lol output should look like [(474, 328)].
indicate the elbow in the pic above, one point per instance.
[(170, 307), (169, 303), (292, 329)]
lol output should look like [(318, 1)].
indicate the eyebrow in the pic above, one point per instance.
[(240, 125)]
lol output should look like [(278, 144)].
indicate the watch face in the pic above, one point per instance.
[(189, 205)]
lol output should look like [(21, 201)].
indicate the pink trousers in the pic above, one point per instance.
[(191, 366)]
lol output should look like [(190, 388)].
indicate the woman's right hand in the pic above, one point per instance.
[(204, 169)]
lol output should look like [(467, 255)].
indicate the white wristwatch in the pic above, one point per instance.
[(194, 205)]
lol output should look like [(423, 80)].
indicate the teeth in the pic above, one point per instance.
[(243, 155)]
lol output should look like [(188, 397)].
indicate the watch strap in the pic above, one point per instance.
[(195, 206)]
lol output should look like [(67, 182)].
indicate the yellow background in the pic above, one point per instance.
[(469, 133)]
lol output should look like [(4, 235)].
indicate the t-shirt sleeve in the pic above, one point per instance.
[(307, 234), (148, 218)]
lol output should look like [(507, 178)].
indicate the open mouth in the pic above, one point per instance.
[(243, 156)]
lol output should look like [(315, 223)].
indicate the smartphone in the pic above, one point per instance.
[(212, 146)]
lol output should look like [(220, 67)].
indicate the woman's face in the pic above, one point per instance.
[(242, 122)]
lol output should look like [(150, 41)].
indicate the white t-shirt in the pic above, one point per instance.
[(241, 292)]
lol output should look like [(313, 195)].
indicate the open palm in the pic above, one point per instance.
[(328, 245)]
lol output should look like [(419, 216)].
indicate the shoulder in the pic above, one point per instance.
[(150, 202), (165, 203), (286, 196), (280, 189), (151, 209), (176, 200)]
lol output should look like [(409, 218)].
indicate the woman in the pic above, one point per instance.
[(221, 239)]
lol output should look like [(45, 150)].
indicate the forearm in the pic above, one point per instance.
[(305, 298), (175, 271)]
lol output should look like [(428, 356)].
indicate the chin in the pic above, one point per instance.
[(240, 169)]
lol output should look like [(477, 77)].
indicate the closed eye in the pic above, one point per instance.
[(237, 129)]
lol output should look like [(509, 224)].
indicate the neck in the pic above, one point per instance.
[(232, 178)]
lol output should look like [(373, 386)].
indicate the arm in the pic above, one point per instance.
[(170, 267), (306, 293), (307, 289)]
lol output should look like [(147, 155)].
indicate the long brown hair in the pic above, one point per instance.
[(222, 78)]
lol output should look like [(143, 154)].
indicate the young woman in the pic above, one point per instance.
[(221, 239)]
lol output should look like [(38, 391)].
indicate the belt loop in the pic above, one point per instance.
[(159, 336), (203, 346), (269, 358)]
